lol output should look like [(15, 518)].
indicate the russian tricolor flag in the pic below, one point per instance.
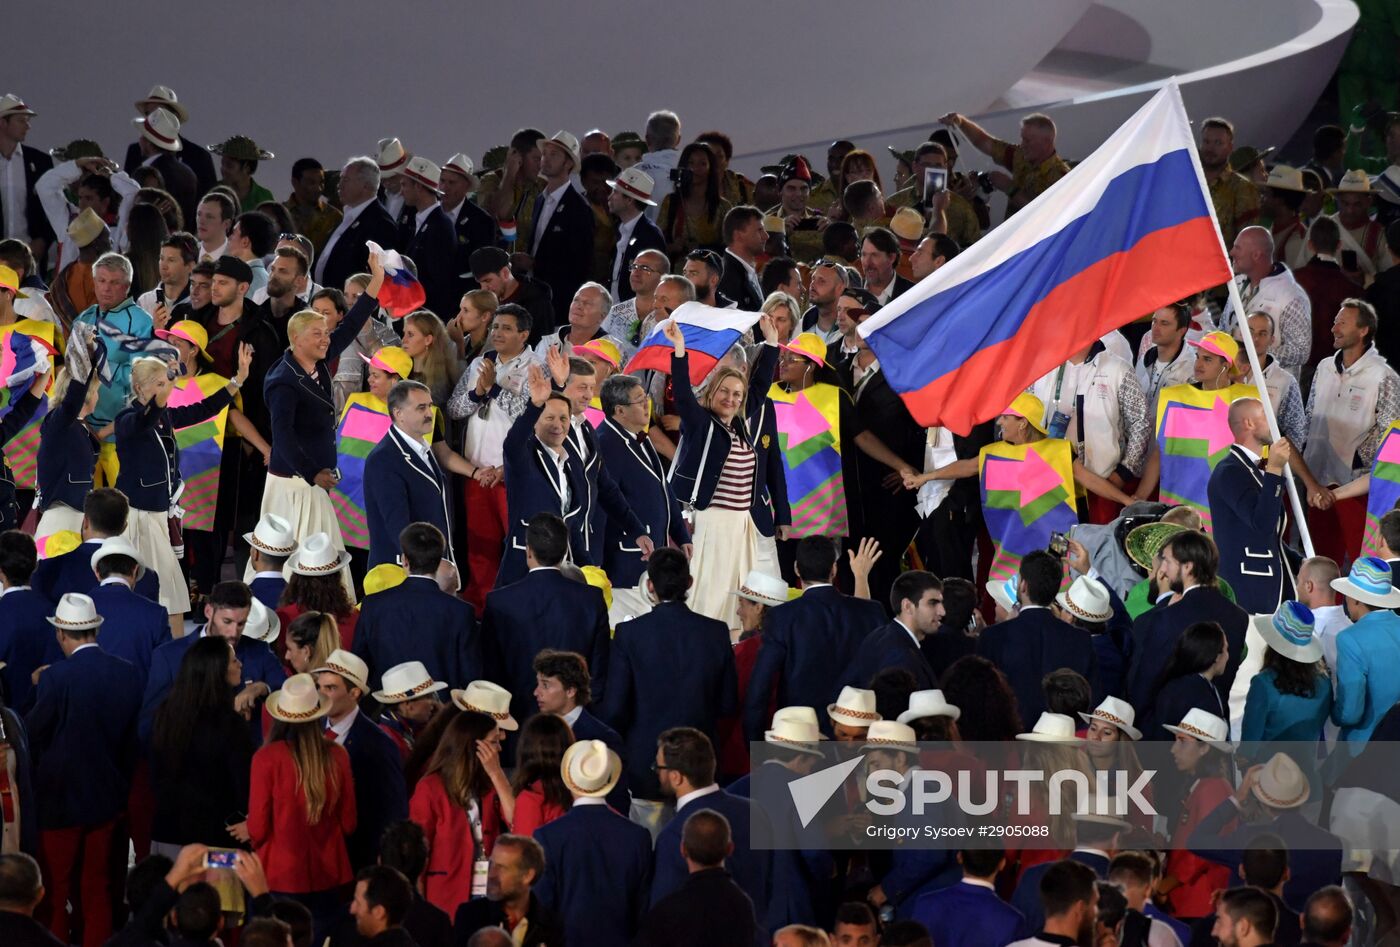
[(1129, 230), (401, 292), (709, 333)]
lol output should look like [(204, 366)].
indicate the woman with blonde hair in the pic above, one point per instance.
[(301, 805), (434, 354), (149, 471)]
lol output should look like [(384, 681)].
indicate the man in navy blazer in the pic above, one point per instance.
[(685, 765), (917, 600), (270, 544), (1095, 843), (225, 614), (640, 475), (971, 913), (475, 227), (628, 200), (1035, 642), (597, 864), (545, 609), (668, 668), (561, 240), (26, 637), (1247, 511), (811, 642), (417, 620), (365, 219), (403, 482), (1189, 563), (82, 733), (104, 516), (381, 795), (133, 626), (429, 237), (563, 687)]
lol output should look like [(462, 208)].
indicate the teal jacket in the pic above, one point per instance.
[(122, 332), (1368, 674)]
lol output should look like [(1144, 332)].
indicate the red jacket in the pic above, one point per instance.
[(345, 625), (733, 748), (299, 858), (1199, 878), (532, 810), (447, 882)]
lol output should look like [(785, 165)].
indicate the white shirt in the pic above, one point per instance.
[(342, 729), (214, 254), (682, 801), (267, 575), (884, 295), (572, 716), (420, 218), (659, 165), (551, 201), (351, 214), (752, 274), (596, 801), (12, 588), (418, 446), (115, 580), (15, 195), (90, 644), (560, 459), (624, 234), (393, 203)]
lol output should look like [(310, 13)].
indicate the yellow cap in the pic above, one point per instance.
[(391, 359), (1031, 408), (188, 331), (1219, 343), (808, 345), (606, 349), (384, 576), (9, 279)]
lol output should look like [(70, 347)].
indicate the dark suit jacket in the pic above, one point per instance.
[(475, 229), (72, 572), (21, 930), (808, 648), (545, 609), (901, 285), (1155, 634), (1176, 697), (26, 642), (84, 721), (752, 867), (564, 257), (1247, 514), (1030, 646), (381, 796), (645, 236), (259, 664), (417, 621), (36, 163), (734, 283), (1026, 898), (640, 475), (545, 930), (532, 486), (711, 895), (668, 668), (401, 489), (603, 502), (268, 590), (195, 157), (597, 874), (888, 647), (589, 727), (1314, 854), (349, 255), (433, 247), (181, 182), (968, 915), (133, 626), (945, 646)]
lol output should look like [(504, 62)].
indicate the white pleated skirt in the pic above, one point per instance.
[(309, 509), (58, 518), (726, 548), (150, 534)]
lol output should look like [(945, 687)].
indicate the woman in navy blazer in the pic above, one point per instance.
[(67, 452), (149, 471), (1189, 680), (726, 439)]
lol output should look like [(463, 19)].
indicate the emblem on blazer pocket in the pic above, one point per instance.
[(765, 441)]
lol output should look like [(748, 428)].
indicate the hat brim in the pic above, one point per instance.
[(1102, 820), (947, 710), (1211, 349), (1275, 803), (140, 566), (1350, 590), (757, 599), (274, 709), (342, 559), (174, 108), (635, 195), (835, 713), (75, 625), (997, 592), (327, 669), (422, 181), (1047, 738), (167, 335), (572, 155), (1137, 548), (1132, 732), (252, 540), (1063, 600), (459, 700), (897, 747), (771, 737), (262, 153), (146, 133), (614, 775), (1280, 187), (1308, 653), (270, 634), (390, 699), (1263, 153), (789, 347), (1224, 746)]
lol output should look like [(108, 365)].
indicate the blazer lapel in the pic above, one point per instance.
[(410, 457)]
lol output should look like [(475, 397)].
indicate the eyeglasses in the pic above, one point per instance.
[(709, 257), (658, 767), (286, 236), (639, 268)]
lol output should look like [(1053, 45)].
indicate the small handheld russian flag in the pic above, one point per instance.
[(401, 292), (709, 333)]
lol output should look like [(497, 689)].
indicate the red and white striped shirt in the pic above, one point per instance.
[(734, 491)]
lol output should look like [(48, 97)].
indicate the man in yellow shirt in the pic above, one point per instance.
[(1034, 164)]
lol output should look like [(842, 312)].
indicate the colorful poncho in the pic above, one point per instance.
[(363, 424), (809, 432), (1027, 493), (1385, 489), (23, 451), (201, 450), (1193, 435)]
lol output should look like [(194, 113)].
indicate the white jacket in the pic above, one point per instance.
[(1115, 429), (1349, 410)]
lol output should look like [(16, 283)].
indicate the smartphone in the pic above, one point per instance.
[(1059, 544), (220, 858), (1349, 261), (935, 182)]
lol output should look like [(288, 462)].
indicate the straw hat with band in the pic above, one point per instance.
[(75, 612), (1031, 408), (907, 224), (565, 142), (590, 769), (118, 546), (461, 163), (1144, 542), (1218, 343), (11, 104), (420, 170), (635, 183), (162, 96), (762, 589), (1369, 582), (1086, 599), (273, 535), (318, 556), (390, 359), (1282, 177), (807, 345), (1116, 712), (793, 734), (484, 697), (349, 666), (1005, 593), (392, 157), (187, 330), (801, 715), (1052, 728), (298, 701), (1289, 631), (1206, 727), (407, 681), (855, 707), (263, 624), (161, 128), (890, 735), (1282, 783), (929, 703), (1245, 157), (1353, 182), (86, 227)]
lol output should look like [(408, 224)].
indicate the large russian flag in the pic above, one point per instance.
[(1129, 230), (401, 293), (709, 333)]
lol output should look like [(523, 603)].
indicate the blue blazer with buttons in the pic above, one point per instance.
[(545, 609), (532, 486), (259, 664), (564, 253), (751, 867), (809, 647), (604, 502), (888, 647), (645, 236), (417, 621), (26, 642), (381, 796), (268, 589), (668, 668), (589, 727), (67, 451), (433, 248), (968, 915), (302, 408), (82, 735), (597, 874), (1247, 522), (1026, 898), (132, 626), (1030, 646), (401, 488), (72, 572), (640, 474), (149, 469)]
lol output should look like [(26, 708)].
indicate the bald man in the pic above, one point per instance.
[(1266, 286), (1247, 511)]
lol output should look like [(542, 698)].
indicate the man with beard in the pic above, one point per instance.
[(288, 267), (1070, 896), (704, 270), (1235, 197), (825, 287)]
